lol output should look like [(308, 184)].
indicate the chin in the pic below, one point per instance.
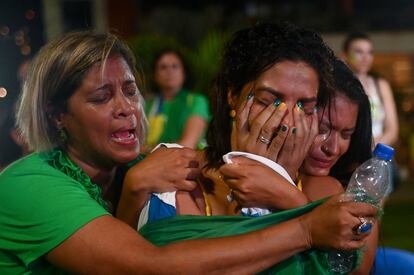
[(315, 171), (125, 158)]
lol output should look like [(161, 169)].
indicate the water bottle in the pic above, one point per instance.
[(368, 183)]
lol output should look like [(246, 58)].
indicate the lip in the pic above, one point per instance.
[(132, 139), (322, 163)]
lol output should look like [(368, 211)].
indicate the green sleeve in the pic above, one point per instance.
[(40, 207), (199, 106)]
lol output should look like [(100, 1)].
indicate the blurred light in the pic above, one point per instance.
[(3, 92), (4, 30), (25, 50), (30, 14)]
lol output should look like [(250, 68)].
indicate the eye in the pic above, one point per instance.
[(347, 135), (308, 108), (101, 97)]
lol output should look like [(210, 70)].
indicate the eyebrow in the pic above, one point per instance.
[(327, 122), (107, 85), (279, 94)]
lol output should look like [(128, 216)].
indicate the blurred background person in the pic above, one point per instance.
[(175, 114), (358, 53)]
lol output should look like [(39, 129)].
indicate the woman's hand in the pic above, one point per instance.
[(267, 137), (255, 185), (299, 141), (164, 170), (259, 137), (332, 225)]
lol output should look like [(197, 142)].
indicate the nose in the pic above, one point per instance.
[(123, 106), (288, 118), (331, 144)]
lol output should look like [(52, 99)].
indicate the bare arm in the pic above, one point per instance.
[(316, 188), (390, 134), (106, 245), (193, 130)]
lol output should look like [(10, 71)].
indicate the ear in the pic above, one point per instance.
[(231, 99), (54, 115)]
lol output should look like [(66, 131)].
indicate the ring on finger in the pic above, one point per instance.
[(365, 226), (264, 140)]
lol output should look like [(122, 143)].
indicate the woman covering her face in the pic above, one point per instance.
[(271, 74)]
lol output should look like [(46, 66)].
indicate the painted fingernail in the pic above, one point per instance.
[(277, 102), (249, 95), (315, 109), (284, 128), (294, 130), (300, 105), (282, 106)]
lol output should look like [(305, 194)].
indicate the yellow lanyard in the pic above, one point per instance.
[(206, 200), (299, 183)]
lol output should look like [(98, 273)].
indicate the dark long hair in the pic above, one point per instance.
[(347, 84), (249, 53)]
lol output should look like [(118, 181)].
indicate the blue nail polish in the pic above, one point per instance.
[(249, 95), (300, 105), (277, 102), (315, 109)]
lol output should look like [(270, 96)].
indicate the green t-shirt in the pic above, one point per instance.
[(167, 119), (40, 207)]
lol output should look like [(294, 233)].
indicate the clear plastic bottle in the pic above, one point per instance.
[(368, 183)]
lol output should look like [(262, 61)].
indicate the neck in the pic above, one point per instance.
[(169, 94), (103, 177)]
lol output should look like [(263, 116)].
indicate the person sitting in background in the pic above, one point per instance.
[(80, 111), (175, 114)]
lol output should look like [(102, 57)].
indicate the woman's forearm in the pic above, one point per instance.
[(243, 254)]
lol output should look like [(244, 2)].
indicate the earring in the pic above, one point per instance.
[(232, 113), (63, 135)]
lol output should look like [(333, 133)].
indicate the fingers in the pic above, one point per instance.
[(257, 129), (278, 142), (242, 115), (231, 170)]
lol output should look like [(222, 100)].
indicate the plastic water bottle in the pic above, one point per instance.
[(368, 183)]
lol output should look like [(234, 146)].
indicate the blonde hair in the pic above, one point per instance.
[(55, 74)]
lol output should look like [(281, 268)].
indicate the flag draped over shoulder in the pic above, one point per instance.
[(186, 227)]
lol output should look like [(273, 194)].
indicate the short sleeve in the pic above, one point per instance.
[(40, 207), (199, 106)]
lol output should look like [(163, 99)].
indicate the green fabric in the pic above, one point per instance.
[(168, 120), (40, 207), (179, 228)]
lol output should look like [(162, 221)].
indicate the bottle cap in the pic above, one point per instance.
[(384, 151)]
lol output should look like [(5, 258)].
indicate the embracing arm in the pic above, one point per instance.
[(390, 134), (106, 245)]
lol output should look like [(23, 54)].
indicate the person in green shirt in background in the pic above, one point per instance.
[(175, 114)]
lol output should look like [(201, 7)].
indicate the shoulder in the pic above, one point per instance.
[(383, 85), (320, 187), (37, 197)]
